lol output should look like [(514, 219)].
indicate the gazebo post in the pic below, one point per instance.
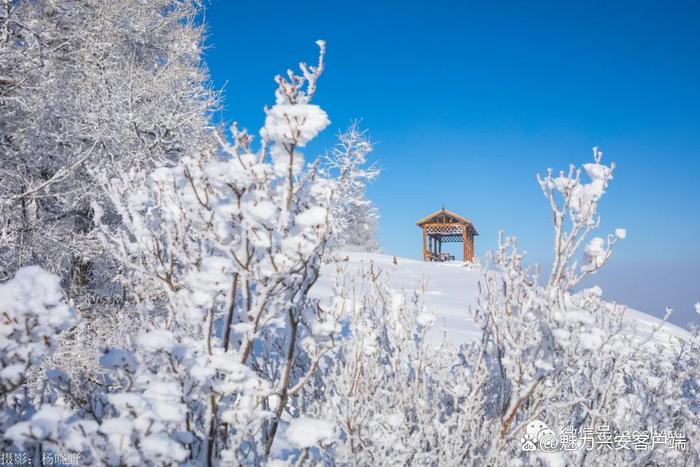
[(464, 243), (424, 246)]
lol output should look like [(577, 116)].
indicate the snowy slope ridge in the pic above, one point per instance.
[(450, 290)]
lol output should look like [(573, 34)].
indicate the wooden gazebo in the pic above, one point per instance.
[(445, 226)]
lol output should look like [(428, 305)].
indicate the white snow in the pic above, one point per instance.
[(264, 211), (13, 373), (309, 119), (451, 288), (159, 446), (597, 171), (425, 319), (45, 423), (117, 426), (312, 216), (304, 432), (156, 340), (595, 251)]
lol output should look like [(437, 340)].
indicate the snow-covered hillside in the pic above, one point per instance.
[(450, 289)]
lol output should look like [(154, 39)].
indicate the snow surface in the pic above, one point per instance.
[(451, 289)]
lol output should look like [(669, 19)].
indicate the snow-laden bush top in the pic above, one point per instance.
[(32, 314)]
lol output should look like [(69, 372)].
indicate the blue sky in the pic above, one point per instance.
[(467, 101)]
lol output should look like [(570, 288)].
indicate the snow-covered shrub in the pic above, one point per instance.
[(32, 315), (571, 360), (381, 387), (217, 252), (234, 237), (574, 205), (566, 357), (354, 217), (549, 356)]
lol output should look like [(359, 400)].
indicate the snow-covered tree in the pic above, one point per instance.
[(354, 217), (88, 88), (84, 87)]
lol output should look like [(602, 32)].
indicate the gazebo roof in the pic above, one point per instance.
[(455, 219)]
